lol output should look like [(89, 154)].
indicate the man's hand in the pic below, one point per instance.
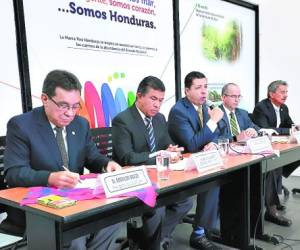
[(215, 114), (251, 132), (210, 146), (174, 148), (63, 179), (175, 156), (112, 166), (246, 134)]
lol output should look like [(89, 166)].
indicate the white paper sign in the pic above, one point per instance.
[(260, 144), (207, 159), (124, 181)]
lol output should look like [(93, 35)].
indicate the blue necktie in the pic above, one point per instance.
[(150, 130)]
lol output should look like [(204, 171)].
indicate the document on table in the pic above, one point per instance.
[(87, 183)]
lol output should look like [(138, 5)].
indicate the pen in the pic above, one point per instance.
[(69, 171)]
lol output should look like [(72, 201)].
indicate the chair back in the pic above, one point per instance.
[(2, 148), (103, 140), (7, 226)]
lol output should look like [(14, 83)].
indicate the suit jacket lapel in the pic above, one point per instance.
[(46, 132), (240, 120), (226, 121), (72, 145), (282, 115), (272, 113), (192, 114), (140, 125)]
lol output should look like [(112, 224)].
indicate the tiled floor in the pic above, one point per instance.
[(290, 236)]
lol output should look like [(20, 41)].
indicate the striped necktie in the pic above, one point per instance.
[(200, 114), (62, 146), (150, 130), (233, 125)]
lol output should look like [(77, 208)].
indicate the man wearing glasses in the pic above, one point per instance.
[(235, 124), (50, 146)]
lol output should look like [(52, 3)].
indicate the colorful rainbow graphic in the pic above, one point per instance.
[(100, 111)]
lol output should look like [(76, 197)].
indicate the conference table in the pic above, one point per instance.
[(52, 228)]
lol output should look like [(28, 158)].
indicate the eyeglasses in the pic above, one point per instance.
[(66, 107), (235, 96)]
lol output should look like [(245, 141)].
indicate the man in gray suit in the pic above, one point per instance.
[(137, 132)]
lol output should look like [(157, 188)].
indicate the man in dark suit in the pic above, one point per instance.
[(137, 132), (274, 114), (40, 144), (193, 125), (235, 124)]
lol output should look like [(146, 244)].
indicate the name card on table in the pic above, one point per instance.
[(206, 160), (124, 181), (260, 144)]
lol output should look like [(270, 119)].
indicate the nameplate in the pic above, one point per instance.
[(260, 144), (207, 159), (124, 181)]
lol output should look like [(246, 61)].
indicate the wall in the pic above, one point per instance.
[(279, 49)]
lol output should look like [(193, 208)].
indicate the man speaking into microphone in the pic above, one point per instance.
[(193, 125)]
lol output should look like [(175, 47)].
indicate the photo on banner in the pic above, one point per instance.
[(109, 45), (217, 38), (10, 93)]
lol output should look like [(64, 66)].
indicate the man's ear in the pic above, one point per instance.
[(138, 95), (44, 98)]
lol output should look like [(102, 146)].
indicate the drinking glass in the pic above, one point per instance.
[(162, 166), (223, 144)]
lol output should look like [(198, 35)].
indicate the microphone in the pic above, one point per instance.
[(223, 130), (210, 104)]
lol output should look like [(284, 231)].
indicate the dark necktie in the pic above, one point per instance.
[(200, 114), (62, 146), (151, 134), (233, 125)]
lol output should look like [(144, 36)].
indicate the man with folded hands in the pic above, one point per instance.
[(137, 133)]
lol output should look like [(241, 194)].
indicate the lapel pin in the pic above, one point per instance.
[(73, 132)]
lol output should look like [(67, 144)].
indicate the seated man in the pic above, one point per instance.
[(273, 113), (193, 125), (235, 124), (137, 132), (40, 144)]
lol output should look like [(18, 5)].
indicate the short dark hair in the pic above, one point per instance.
[(226, 86), (62, 79), (150, 82), (274, 85), (189, 78)]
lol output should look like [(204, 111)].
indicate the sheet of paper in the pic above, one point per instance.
[(180, 165), (87, 183)]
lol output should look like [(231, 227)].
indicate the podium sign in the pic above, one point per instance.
[(207, 160), (124, 181), (260, 144)]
